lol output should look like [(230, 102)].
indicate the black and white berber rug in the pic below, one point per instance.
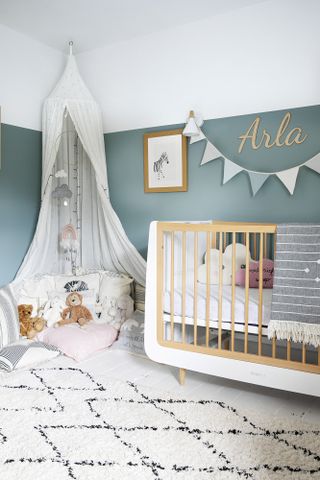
[(63, 423)]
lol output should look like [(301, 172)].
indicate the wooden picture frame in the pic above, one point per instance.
[(165, 161)]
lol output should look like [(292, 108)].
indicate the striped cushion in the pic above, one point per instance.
[(23, 355), (139, 297), (9, 321)]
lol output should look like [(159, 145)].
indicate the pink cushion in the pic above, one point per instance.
[(268, 268), (79, 342)]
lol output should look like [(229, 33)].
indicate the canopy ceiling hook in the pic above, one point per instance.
[(70, 47)]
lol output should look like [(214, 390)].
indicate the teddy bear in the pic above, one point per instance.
[(75, 312), (29, 326)]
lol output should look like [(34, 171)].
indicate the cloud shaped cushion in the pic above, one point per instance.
[(227, 264)]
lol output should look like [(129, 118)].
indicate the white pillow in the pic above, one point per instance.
[(114, 286), (37, 287), (69, 283)]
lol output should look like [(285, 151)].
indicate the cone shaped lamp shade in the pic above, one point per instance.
[(191, 129)]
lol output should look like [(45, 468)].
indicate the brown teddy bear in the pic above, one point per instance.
[(75, 312), (29, 326)]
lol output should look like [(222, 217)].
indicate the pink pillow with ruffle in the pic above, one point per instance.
[(79, 342), (268, 268)]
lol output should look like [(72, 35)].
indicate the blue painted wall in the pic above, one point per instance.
[(20, 179), (206, 197)]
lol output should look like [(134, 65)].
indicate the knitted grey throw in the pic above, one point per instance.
[(295, 311)]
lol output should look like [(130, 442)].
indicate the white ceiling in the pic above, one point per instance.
[(94, 23)]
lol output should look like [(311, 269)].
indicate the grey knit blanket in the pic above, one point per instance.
[(295, 310)]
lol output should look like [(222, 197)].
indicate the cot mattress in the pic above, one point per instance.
[(239, 307)]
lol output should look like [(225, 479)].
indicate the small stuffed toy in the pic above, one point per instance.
[(53, 310), (75, 312), (29, 326), (115, 311)]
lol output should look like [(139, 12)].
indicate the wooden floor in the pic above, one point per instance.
[(123, 366)]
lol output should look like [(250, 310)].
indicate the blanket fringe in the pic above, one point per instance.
[(307, 333)]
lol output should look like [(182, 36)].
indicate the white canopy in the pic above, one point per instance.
[(73, 144)]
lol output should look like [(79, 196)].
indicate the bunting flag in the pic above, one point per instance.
[(289, 178), (257, 179), (210, 153), (230, 170), (199, 137), (314, 163)]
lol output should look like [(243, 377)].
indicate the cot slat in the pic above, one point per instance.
[(289, 350), (246, 315), (172, 288), (184, 275), (224, 241), (260, 296), (195, 289), (274, 347), (160, 266), (265, 246), (220, 292), (208, 289), (255, 246), (233, 288), (304, 353)]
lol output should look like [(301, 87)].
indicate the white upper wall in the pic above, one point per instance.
[(29, 71), (259, 58)]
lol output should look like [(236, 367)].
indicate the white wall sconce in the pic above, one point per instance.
[(192, 128)]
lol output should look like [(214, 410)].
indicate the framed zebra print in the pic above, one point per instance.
[(165, 161)]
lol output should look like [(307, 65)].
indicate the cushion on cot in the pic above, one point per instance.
[(240, 251), (268, 268), (79, 342), (9, 320)]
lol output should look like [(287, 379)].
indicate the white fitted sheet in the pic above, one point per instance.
[(226, 304)]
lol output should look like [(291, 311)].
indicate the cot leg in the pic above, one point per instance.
[(182, 375)]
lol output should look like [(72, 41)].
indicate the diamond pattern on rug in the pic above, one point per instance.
[(63, 423)]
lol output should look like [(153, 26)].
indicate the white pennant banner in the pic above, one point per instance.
[(230, 170), (210, 153), (257, 180), (314, 163), (197, 138), (289, 178)]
